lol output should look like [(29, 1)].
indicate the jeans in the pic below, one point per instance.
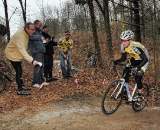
[(38, 70), (18, 69), (65, 63)]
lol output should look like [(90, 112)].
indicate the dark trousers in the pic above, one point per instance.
[(138, 78), (18, 69), (38, 77), (48, 65)]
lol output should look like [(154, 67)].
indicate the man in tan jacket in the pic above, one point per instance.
[(16, 51)]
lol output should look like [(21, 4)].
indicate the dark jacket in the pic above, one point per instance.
[(36, 44), (49, 45)]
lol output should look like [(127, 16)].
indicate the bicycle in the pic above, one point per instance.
[(117, 91), (6, 74)]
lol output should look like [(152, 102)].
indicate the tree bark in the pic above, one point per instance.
[(94, 30), (143, 20), (155, 43), (116, 19), (137, 20), (7, 19), (23, 10), (105, 12), (108, 27)]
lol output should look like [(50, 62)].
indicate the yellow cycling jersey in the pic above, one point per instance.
[(65, 44), (133, 50)]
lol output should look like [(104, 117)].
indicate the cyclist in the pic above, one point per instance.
[(136, 54)]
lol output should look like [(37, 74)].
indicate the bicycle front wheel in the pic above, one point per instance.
[(111, 100)]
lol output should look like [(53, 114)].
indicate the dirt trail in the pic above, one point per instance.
[(79, 114)]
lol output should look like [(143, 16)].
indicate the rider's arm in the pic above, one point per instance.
[(123, 58), (143, 57)]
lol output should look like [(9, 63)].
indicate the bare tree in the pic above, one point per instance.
[(94, 30), (155, 41), (94, 27), (115, 18), (142, 17), (7, 18), (105, 11), (23, 7), (137, 20)]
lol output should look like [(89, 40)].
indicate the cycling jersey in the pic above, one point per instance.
[(65, 44), (137, 55)]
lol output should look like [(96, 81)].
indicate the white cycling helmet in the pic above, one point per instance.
[(127, 35)]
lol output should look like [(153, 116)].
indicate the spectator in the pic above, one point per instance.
[(48, 56), (65, 45), (16, 52), (37, 50)]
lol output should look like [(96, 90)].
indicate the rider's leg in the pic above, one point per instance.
[(138, 79), (126, 77)]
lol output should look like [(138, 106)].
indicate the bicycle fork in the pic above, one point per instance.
[(121, 84)]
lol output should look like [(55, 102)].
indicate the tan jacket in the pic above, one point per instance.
[(16, 49)]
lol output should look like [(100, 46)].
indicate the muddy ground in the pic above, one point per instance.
[(79, 113)]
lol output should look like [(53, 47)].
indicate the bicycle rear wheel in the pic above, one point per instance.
[(110, 103)]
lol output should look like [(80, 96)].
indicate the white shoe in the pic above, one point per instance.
[(45, 84), (130, 99), (37, 86)]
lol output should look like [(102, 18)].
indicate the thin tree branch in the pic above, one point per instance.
[(100, 6)]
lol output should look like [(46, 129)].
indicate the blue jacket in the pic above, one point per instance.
[(36, 44)]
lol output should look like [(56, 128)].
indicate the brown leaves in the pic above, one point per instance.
[(86, 82)]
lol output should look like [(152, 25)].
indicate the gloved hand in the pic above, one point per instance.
[(37, 63), (140, 72), (134, 70), (137, 71)]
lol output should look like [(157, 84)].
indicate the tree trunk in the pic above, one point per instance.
[(131, 15), (116, 19), (108, 27), (122, 15), (7, 19), (86, 17), (155, 43), (94, 30), (143, 20), (137, 20), (105, 12), (23, 10)]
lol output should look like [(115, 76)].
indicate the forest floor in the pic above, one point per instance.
[(72, 104), (79, 113)]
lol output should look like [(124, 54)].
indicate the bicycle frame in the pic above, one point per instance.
[(120, 90), (129, 94)]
